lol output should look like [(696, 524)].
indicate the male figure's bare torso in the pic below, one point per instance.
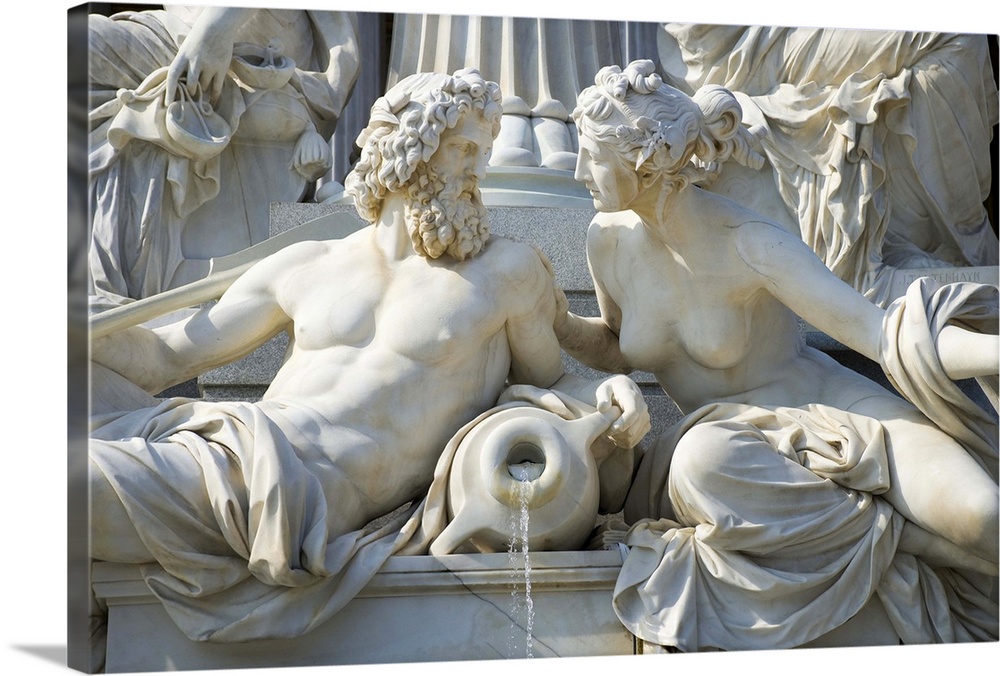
[(394, 356), (400, 334)]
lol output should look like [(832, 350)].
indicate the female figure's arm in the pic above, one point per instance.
[(967, 354), (793, 274), (535, 352)]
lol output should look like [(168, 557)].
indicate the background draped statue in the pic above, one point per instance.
[(879, 141), (200, 118), (794, 487), (400, 334)]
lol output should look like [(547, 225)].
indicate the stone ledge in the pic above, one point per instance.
[(422, 609), (416, 609)]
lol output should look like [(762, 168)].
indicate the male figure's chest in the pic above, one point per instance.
[(415, 309)]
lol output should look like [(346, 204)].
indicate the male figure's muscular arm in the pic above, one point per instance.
[(246, 316), (594, 340), (536, 358)]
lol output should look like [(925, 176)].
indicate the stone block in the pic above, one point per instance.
[(416, 609)]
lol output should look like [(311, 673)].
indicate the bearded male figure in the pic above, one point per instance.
[(400, 334)]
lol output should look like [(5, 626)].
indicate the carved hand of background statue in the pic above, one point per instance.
[(633, 424), (204, 55), (311, 158)]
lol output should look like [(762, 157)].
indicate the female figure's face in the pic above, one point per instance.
[(612, 185)]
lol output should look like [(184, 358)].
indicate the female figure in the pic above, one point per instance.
[(256, 94), (797, 489)]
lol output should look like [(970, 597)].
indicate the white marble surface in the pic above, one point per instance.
[(704, 293), (401, 333), (536, 61), (572, 197), (524, 478), (423, 608), (197, 125), (878, 144), (416, 609)]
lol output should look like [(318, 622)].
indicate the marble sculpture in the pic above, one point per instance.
[(538, 62), (878, 140), (795, 491), (185, 100), (792, 488), (402, 334)]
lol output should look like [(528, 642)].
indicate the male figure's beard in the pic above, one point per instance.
[(445, 216)]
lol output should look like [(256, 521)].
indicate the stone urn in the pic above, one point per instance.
[(524, 462)]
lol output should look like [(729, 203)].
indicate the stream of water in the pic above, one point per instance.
[(520, 559)]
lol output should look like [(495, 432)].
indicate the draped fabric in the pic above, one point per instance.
[(912, 365), (154, 206), (765, 527), (878, 139), (237, 519)]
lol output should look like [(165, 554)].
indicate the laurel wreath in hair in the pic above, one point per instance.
[(649, 136)]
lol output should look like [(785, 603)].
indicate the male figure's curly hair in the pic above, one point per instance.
[(406, 126), (660, 131)]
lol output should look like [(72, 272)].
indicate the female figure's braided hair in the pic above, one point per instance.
[(660, 131)]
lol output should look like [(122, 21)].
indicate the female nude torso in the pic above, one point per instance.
[(697, 315)]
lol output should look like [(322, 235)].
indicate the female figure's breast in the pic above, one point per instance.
[(713, 337)]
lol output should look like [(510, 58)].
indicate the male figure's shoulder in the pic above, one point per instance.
[(309, 253), (520, 275), (514, 260), (290, 273)]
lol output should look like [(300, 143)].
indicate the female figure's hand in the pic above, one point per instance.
[(633, 423), (203, 57)]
